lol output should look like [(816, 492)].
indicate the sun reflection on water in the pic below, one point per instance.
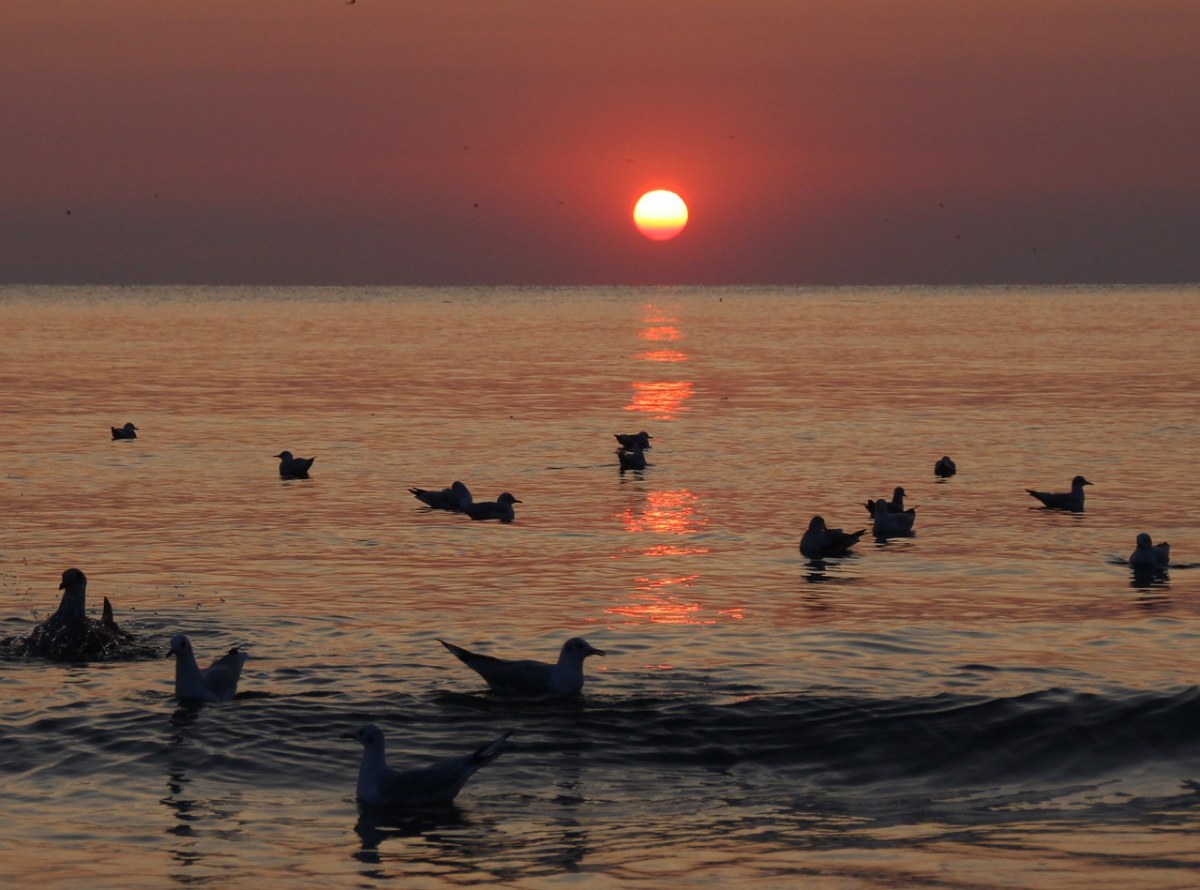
[(668, 512), (662, 400)]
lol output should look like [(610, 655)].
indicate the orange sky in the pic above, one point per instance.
[(481, 142)]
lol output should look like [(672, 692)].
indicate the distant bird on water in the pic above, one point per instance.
[(885, 524), (821, 541), (895, 505), (631, 458), (293, 467), (533, 678), (1072, 500), (1149, 555), (631, 440), (456, 498), (944, 468), (217, 682), (501, 508), (129, 431), (380, 786)]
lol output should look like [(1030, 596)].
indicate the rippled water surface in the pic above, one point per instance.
[(995, 701)]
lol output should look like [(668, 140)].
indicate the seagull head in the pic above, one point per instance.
[(72, 578), (816, 524), (370, 735), (1079, 482), (577, 649), (283, 455), (1144, 542), (179, 644), (507, 498)]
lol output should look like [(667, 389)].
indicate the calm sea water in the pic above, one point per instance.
[(995, 701)]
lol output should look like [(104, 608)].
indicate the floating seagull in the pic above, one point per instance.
[(435, 785), (821, 541), (293, 467), (945, 468), (501, 508), (531, 677), (1072, 500), (1149, 555), (70, 635), (885, 524), (457, 497), (218, 682), (896, 505), (632, 458), (631, 440), (124, 432)]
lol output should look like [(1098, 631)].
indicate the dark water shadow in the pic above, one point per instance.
[(827, 570)]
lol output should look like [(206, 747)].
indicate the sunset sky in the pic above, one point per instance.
[(487, 142)]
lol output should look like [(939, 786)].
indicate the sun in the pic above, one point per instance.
[(660, 215)]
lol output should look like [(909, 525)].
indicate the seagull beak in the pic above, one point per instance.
[(62, 585), (595, 651)]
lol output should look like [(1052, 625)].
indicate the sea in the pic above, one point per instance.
[(997, 700)]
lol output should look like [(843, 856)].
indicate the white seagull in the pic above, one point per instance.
[(1149, 555), (885, 524), (1072, 500), (435, 785), (217, 682), (531, 677)]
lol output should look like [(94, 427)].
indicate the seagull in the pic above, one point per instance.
[(820, 541), (129, 431), (435, 785), (896, 505), (633, 458), (1149, 555), (293, 467), (1072, 500), (456, 498), (531, 677), (629, 440), (70, 635), (501, 508), (945, 468), (885, 524), (218, 682)]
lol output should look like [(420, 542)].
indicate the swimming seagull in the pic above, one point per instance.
[(531, 677), (885, 524), (457, 497), (435, 785), (631, 458), (629, 440), (1072, 500), (944, 468), (293, 467), (217, 682), (501, 509), (70, 635), (124, 432), (895, 505), (1149, 555), (821, 541)]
